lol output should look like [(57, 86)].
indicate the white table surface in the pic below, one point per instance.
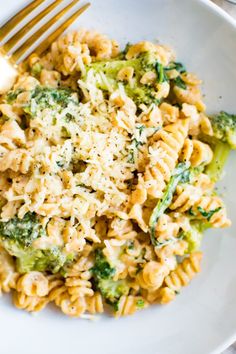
[(231, 9)]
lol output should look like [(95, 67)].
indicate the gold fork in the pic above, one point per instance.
[(8, 62)]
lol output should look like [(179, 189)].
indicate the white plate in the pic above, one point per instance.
[(203, 318)]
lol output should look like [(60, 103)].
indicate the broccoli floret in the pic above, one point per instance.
[(22, 231), (194, 239), (140, 93), (29, 259), (216, 167), (103, 274), (224, 128), (195, 234), (181, 175), (102, 268), (144, 94), (222, 141), (146, 62), (17, 236), (43, 97), (112, 290)]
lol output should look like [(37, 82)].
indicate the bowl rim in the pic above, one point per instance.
[(217, 9), (230, 20)]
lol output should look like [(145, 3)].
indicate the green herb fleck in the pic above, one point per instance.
[(12, 95), (140, 303), (208, 214), (180, 83), (176, 66), (191, 212), (131, 245)]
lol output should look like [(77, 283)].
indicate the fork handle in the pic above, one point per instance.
[(8, 73)]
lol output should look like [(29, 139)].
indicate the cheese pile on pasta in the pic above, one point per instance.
[(106, 182)]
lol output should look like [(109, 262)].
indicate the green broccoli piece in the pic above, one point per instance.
[(216, 167), (140, 93), (22, 231), (29, 259), (103, 274), (113, 290), (144, 94), (224, 128), (17, 236), (102, 269), (181, 175), (195, 234), (208, 214), (43, 97), (222, 141)]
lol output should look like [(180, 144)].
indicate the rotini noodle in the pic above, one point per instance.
[(33, 284), (196, 152), (164, 155), (128, 305), (29, 303), (184, 272)]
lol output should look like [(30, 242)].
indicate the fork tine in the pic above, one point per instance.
[(15, 20), (30, 41), (52, 37), (15, 39)]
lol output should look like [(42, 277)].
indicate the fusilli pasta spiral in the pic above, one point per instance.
[(184, 272), (196, 152), (130, 304), (164, 155), (29, 303)]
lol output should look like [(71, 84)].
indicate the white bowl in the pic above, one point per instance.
[(203, 318)]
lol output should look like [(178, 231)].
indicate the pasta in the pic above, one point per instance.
[(29, 303), (164, 155), (176, 279), (8, 274), (184, 272), (196, 152), (94, 304), (107, 177), (33, 284), (128, 305)]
